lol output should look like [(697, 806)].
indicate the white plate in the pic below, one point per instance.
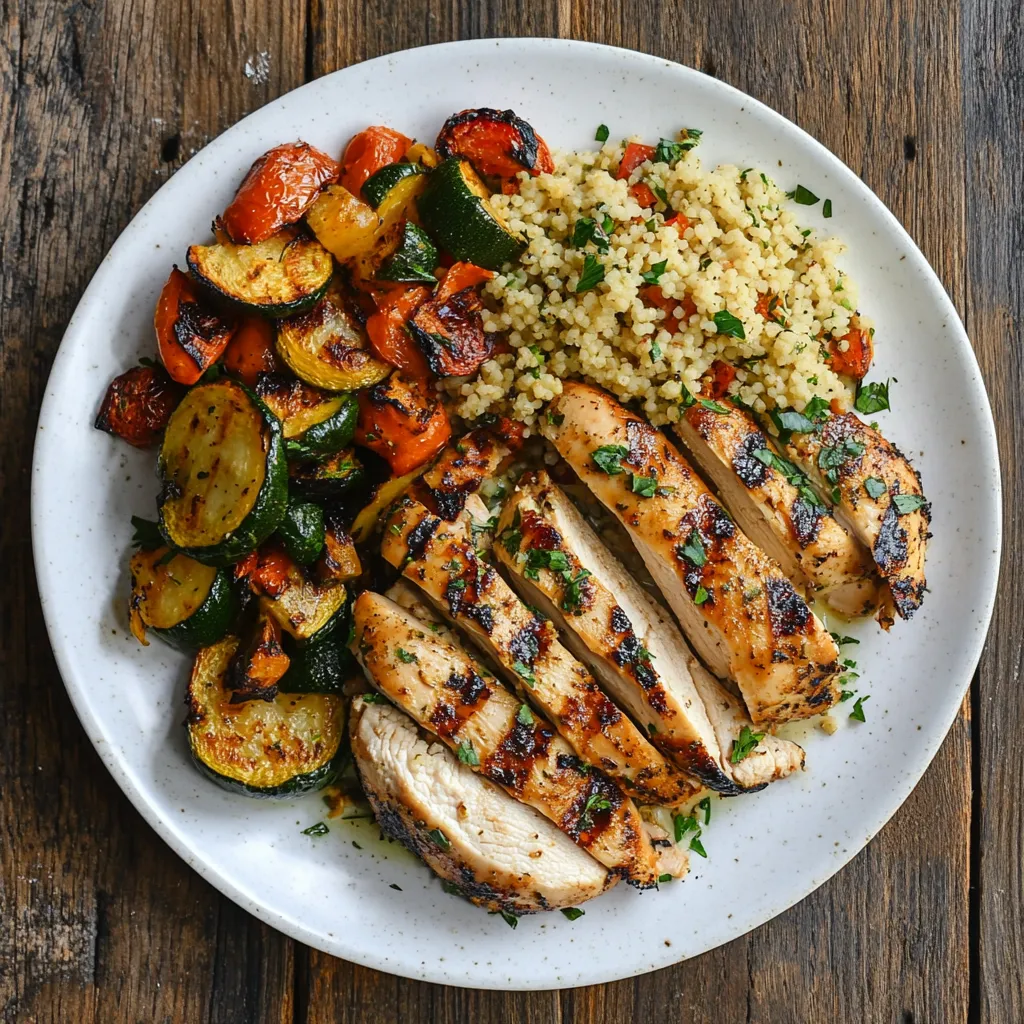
[(766, 852)]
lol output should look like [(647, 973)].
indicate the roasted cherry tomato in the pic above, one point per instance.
[(720, 376), (632, 158), (138, 405), (251, 350), (495, 142), (280, 186), (389, 335), (369, 151), (459, 276), (856, 360), (403, 421), (190, 334)]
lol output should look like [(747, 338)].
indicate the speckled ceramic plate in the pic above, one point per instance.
[(765, 852)]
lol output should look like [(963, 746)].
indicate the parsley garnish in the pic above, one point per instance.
[(586, 230), (573, 596), (845, 695), (682, 824), (803, 196), (713, 406), (375, 698), (538, 558), (593, 273), (705, 806), (509, 918), (701, 595), (609, 457), (744, 745), (873, 397), (842, 641), (658, 191), (645, 486), (467, 755), (601, 135), (524, 716), (664, 878), (440, 840), (832, 458), (595, 802), (690, 138), (405, 657), (857, 714), (667, 152), (791, 474), (653, 276), (524, 672), (874, 486), (655, 352), (698, 847), (556, 419), (693, 549), (906, 503), (573, 913), (456, 584), (826, 210), (319, 829), (729, 324), (651, 224)]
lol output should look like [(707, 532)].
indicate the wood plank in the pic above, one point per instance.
[(993, 115), (98, 919)]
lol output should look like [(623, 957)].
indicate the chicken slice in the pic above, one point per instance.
[(437, 557), (630, 642), (878, 497), (495, 851), (735, 604), (778, 509), (493, 732)]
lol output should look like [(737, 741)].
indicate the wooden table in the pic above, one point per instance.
[(101, 102)]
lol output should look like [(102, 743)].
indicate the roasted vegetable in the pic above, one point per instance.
[(281, 276), (495, 142), (455, 208), (388, 330), (190, 335), (339, 561), (329, 479), (283, 747), (250, 352), (851, 355), (224, 472), (403, 421), (450, 332), (279, 188), (315, 424), (414, 260), (258, 666), (384, 494), (302, 531), (634, 155), (138, 405), (321, 663), (343, 224), (373, 148), (379, 185), (184, 603), (327, 346)]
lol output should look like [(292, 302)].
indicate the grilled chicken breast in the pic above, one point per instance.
[(735, 604), (437, 557), (627, 639), (879, 499), (495, 851), (777, 508), (497, 735)]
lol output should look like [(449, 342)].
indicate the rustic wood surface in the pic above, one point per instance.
[(101, 102)]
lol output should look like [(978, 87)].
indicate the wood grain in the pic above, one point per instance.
[(98, 920)]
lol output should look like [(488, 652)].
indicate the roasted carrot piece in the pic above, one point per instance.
[(251, 350), (496, 142), (389, 335), (190, 334), (720, 376), (138, 404), (856, 360), (403, 421), (280, 186), (632, 158), (373, 148), (257, 667)]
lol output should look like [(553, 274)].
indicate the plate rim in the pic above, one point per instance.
[(133, 787)]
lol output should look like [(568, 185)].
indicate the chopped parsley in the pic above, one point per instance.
[(683, 823), (873, 397), (405, 657), (791, 474), (744, 745), (537, 559), (556, 419), (693, 549), (456, 584), (698, 847), (802, 196), (705, 806), (832, 458), (586, 229), (609, 457), (729, 324), (651, 225), (573, 913), (857, 714), (826, 210), (524, 672), (653, 276), (713, 406), (652, 728), (875, 487), (667, 152), (664, 878), (439, 839), (467, 755), (906, 503), (601, 135), (845, 695), (701, 595), (319, 829), (658, 191), (595, 802), (524, 716), (842, 641), (690, 138), (655, 352), (512, 920), (573, 596), (592, 274), (645, 486)]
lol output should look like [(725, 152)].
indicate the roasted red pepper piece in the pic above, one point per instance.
[(654, 296), (856, 360), (373, 148), (634, 155), (190, 334), (495, 142), (720, 376), (642, 193), (459, 276), (280, 186), (251, 350), (389, 335), (403, 421), (138, 404)]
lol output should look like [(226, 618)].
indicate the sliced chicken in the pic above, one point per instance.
[(878, 497), (437, 557), (735, 604), (495, 851), (630, 642), (497, 735), (778, 509)]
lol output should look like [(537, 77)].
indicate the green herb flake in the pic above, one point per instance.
[(698, 847), (826, 210), (405, 657), (873, 397), (609, 458), (524, 716), (653, 276), (645, 486), (656, 352), (319, 829), (601, 135), (693, 549), (907, 503), (802, 196), (523, 671), (683, 823), (509, 918), (744, 745), (585, 230), (845, 695), (572, 599), (700, 595), (466, 753), (651, 225), (667, 152), (875, 487), (842, 641), (729, 325), (592, 275), (374, 698), (857, 714), (831, 459), (556, 419), (664, 878), (713, 406), (573, 913), (439, 839), (705, 806)]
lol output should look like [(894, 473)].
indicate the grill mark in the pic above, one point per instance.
[(585, 828), (469, 694), (805, 521), (513, 761), (750, 469), (530, 642), (538, 532), (786, 609), (891, 547), (620, 621), (417, 539)]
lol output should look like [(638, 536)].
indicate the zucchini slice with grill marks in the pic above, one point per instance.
[(314, 422), (415, 259), (183, 602), (302, 531), (328, 348), (301, 605), (378, 185), (282, 276), (456, 209), (282, 747), (225, 474), (322, 663), (329, 479)]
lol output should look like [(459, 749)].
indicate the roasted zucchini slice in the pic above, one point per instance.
[(415, 259), (328, 348), (282, 747), (183, 602), (301, 605), (343, 224), (279, 277), (383, 495), (377, 187), (315, 423), (456, 209), (321, 663), (330, 479), (302, 531), (224, 471)]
